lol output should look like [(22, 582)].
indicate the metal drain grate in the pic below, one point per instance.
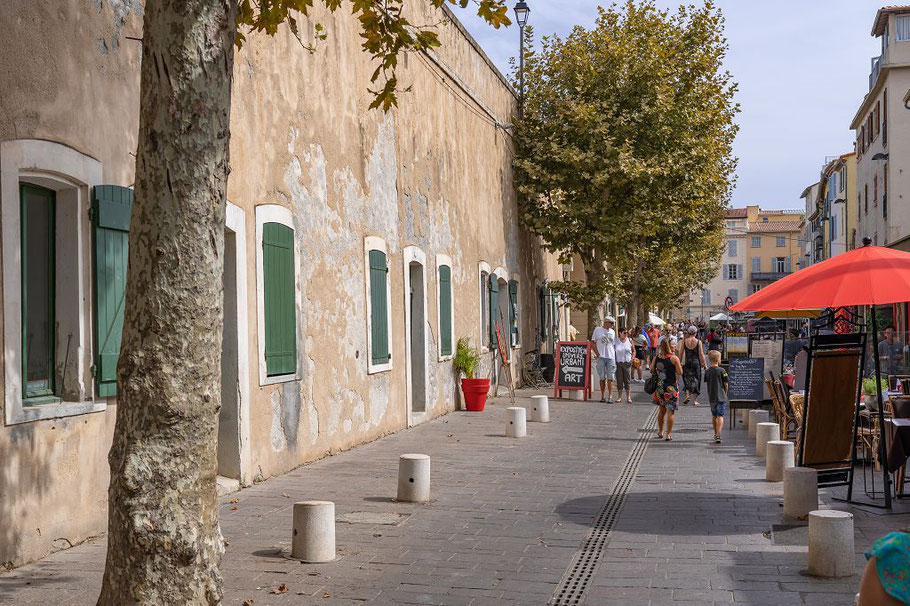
[(574, 583)]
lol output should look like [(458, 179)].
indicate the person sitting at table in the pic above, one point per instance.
[(890, 352)]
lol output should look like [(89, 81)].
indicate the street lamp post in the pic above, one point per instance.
[(522, 10)]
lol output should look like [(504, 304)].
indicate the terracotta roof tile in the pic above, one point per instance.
[(878, 26), (736, 213), (775, 226)]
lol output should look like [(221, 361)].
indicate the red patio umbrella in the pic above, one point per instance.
[(871, 275)]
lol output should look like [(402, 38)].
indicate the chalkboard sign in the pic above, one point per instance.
[(573, 366), (747, 379)]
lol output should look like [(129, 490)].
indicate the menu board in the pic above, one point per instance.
[(771, 349), (573, 366), (737, 344), (747, 379)]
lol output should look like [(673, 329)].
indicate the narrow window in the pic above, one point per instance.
[(756, 264), (781, 241), (756, 241), (493, 292), (279, 299), (37, 208), (484, 308), (731, 248), (513, 312), (445, 310)]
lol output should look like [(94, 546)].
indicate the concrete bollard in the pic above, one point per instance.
[(577, 394), (314, 531), (516, 427), (831, 549), (800, 492), (414, 478), (764, 433), (755, 417), (779, 457), (540, 409)]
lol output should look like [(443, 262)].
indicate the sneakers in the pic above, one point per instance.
[(717, 439), (602, 399)]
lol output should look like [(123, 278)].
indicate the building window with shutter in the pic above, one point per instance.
[(51, 262), (484, 299), (514, 336), (756, 264), (38, 267), (379, 313), (446, 310), (278, 303), (731, 248)]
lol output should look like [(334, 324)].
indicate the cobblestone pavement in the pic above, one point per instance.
[(507, 519)]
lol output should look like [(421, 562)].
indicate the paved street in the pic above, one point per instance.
[(508, 518)]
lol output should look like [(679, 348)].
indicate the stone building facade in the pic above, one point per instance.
[(359, 247)]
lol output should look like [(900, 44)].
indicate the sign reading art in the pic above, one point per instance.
[(573, 367)]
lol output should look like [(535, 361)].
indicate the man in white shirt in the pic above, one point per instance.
[(605, 360)]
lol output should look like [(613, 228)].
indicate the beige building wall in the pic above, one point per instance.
[(432, 180)]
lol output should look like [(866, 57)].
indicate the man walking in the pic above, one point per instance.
[(602, 342)]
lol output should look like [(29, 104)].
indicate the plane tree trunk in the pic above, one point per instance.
[(164, 543)]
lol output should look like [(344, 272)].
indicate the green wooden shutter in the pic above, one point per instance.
[(494, 309), (543, 313), (279, 299), (112, 208), (445, 309), (379, 308), (513, 310)]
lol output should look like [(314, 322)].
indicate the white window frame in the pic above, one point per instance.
[(275, 213), (502, 276), (756, 241), (377, 243), (71, 175), (898, 21), (780, 264), (516, 344), (447, 261), (781, 241), (483, 268), (756, 264)]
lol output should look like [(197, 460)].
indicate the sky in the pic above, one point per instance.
[(802, 67)]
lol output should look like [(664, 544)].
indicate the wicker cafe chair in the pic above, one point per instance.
[(780, 412), (789, 428), (531, 372)]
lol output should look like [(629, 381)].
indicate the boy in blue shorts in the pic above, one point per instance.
[(718, 383)]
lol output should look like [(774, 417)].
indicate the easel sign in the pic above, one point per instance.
[(573, 367)]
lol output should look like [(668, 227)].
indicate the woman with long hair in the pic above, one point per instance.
[(668, 369), (692, 358)]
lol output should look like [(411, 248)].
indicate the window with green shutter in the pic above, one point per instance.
[(542, 306), (379, 308), (513, 311), (445, 310), (494, 308), (279, 299), (37, 214), (112, 207)]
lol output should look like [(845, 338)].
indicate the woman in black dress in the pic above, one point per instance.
[(692, 356)]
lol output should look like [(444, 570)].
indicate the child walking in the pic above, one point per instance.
[(718, 383)]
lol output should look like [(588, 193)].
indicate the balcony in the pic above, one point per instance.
[(876, 70), (768, 276)]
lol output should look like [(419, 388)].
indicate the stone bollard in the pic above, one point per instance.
[(800, 492), (414, 478), (779, 457), (764, 433), (516, 427), (540, 409), (577, 394), (314, 531), (755, 417), (831, 549)]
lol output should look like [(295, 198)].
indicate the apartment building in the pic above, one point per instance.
[(773, 245)]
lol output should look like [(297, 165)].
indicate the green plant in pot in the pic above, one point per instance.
[(870, 396), (466, 362)]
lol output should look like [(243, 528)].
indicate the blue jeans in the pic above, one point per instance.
[(718, 409)]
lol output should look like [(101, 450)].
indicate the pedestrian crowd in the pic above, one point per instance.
[(678, 364)]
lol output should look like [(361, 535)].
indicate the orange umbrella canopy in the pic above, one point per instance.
[(871, 275)]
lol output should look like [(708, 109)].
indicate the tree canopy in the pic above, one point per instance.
[(624, 151)]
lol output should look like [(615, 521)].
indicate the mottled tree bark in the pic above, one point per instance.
[(164, 543), (594, 272)]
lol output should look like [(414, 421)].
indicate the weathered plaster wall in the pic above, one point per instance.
[(434, 173), (67, 74)]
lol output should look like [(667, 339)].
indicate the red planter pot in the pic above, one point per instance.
[(475, 393)]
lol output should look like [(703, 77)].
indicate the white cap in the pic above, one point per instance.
[(610, 319)]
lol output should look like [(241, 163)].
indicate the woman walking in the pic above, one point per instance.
[(668, 369), (625, 354), (692, 357), (640, 339)]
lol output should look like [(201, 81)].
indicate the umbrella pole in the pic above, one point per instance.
[(886, 478)]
